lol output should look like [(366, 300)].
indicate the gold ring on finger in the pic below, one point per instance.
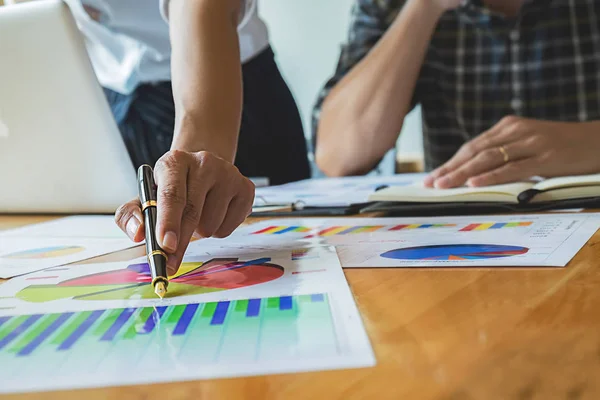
[(504, 153)]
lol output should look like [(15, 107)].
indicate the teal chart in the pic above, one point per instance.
[(105, 342)]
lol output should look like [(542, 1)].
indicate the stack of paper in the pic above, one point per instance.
[(235, 315)]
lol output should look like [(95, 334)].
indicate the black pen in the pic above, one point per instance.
[(157, 258)]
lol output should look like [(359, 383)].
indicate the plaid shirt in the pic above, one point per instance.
[(481, 66)]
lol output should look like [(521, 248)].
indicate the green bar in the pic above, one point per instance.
[(107, 322), (175, 314), (209, 310), (241, 305), (305, 298), (511, 225), (70, 328), (34, 331), (273, 302), (131, 332), (12, 325)]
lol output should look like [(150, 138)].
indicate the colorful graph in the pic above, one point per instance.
[(108, 341), (343, 230), (455, 252), (46, 252), (494, 225), (133, 282)]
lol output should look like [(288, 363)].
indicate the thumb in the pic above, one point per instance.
[(129, 218)]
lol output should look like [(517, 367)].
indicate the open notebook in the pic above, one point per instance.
[(564, 188), (564, 192)]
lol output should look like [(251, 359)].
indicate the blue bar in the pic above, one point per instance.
[(316, 298), (497, 225), (258, 261), (425, 226), (118, 324), (285, 303), (350, 230), (19, 329), (77, 333), (4, 320), (220, 313), (27, 350), (153, 319), (253, 308), (290, 228), (236, 265), (186, 318)]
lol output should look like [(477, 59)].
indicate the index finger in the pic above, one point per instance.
[(170, 176)]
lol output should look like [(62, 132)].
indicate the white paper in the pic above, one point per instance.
[(306, 320), (58, 242), (537, 240), (331, 192)]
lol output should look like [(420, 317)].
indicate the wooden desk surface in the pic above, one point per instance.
[(502, 333)]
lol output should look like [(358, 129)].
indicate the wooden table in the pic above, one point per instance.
[(477, 333)]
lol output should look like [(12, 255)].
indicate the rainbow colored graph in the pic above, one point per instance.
[(455, 252), (46, 252), (343, 230), (494, 225), (109, 341), (133, 282)]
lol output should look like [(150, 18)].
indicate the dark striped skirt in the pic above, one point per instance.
[(271, 142)]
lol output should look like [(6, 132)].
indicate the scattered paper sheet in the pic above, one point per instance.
[(229, 315), (485, 241), (59, 242), (331, 192)]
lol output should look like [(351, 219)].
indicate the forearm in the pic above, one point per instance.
[(206, 75), (363, 115)]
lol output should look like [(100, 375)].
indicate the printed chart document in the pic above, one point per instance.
[(58, 242), (229, 315), (488, 241)]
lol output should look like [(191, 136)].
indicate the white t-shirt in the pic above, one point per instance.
[(128, 40)]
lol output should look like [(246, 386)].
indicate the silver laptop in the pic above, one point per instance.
[(60, 148)]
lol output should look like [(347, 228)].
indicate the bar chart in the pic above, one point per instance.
[(483, 226), (342, 230), (117, 341)]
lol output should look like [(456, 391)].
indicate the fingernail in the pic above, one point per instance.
[(169, 242), (132, 227)]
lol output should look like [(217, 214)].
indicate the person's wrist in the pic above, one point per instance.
[(437, 7), (431, 8), (192, 135)]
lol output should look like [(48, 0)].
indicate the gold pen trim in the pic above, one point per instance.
[(158, 253), (149, 203), (160, 279)]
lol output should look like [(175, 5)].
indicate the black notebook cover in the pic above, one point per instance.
[(406, 209)]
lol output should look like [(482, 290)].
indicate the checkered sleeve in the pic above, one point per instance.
[(370, 19)]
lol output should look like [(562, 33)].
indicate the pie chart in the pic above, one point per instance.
[(455, 252), (133, 282), (46, 252)]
